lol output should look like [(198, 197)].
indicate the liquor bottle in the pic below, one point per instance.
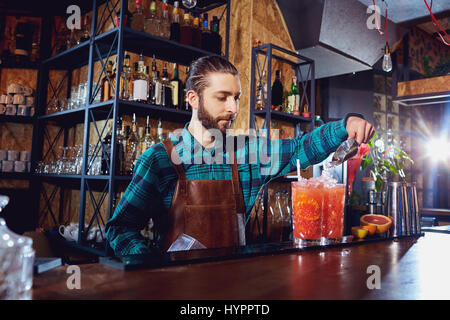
[(152, 22), (106, 89), (177, 88), (140, 136), (206, 34), (85, 33), (261, 93), (276, 218), (151, 93), (125, 79), (196, 33), (277, 91), (175, 25), (106, 152), (292, 95), (186, 105), (127, 18), (166, 89), (216, 38), (156, 98), (71, 40), (165, 22), (159, 132), (186, 30), (148, 139), (120, 141), (138, 19), (149, 83), (131, 148), (140, 83), (113, 78)]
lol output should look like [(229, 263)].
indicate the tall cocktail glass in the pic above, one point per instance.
[(333, 211), (307, 199)]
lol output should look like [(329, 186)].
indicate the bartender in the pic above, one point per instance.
[(195, 184)]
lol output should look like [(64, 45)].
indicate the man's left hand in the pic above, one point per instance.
[(359, 129)]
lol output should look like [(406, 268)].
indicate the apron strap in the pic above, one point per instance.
[(238, 195), (173, 154)]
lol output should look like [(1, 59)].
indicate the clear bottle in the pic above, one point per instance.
[(140, 82), (166, 89), (131, 148), (165, 21), (160, 136), (148, 138), (186, 30), (276, 218), (287, 216), (261, 93), (156, 99), (138, 18), (175, 25), (125, 79), (196, 33), (152, 22)]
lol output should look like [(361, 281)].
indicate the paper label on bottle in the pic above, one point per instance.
[(158, 89), (297, 101), (140, 90), (175, 88)]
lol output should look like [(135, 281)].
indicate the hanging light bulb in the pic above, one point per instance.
[(387, 61), (189, 3)]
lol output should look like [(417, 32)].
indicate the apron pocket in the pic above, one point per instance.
[(215, 226)]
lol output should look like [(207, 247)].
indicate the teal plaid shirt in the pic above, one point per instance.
[(150, 192)]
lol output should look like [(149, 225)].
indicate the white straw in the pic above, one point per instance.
[(298, 170)]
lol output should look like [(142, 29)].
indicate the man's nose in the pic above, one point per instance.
[(232, 105)]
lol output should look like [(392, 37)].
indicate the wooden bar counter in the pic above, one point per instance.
[(410, 268)]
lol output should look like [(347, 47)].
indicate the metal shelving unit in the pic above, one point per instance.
[(100, 47), (304, 71)]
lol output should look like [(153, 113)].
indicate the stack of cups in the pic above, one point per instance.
[(403, 207), (15, 161)]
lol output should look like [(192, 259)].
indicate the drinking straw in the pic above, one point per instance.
[(298, 170)]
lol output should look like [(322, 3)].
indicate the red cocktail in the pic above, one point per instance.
[(307, 210), (333, 211)]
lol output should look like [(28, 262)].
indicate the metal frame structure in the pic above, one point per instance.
[(99, 47), (307, 81)]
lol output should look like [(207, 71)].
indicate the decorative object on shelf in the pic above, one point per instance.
[(16, 262), (306, 113), (189, 3)]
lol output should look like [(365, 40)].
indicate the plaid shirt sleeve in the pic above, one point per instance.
[(312, 148), (140, 201)]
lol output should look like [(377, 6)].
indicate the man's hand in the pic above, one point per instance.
[(359, 129)]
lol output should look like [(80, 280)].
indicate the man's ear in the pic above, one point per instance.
[(193, 99)]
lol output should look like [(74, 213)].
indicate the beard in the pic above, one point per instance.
[(210, 122)]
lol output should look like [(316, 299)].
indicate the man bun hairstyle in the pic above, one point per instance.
[(197, 78)]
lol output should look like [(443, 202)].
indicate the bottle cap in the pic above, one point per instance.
[(138, 2)]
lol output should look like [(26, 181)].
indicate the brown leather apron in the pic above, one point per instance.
[(206, 210)]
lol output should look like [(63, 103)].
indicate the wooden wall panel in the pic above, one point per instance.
[(424, 86)]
